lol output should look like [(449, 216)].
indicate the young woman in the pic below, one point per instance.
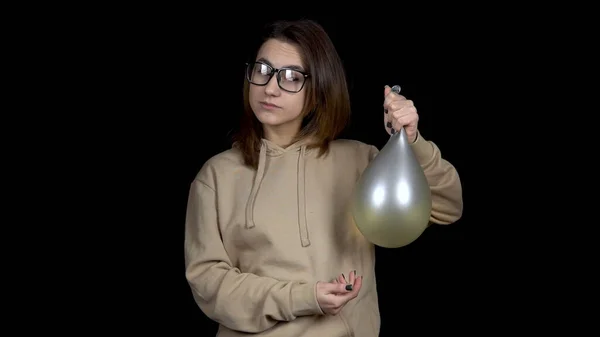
[(270, 246)]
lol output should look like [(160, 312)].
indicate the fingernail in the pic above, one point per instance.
[(344, 277), (389, 124), (354, 272), (349, 287), (393, 131)]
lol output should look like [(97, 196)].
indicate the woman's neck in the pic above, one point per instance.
[(282, 135)]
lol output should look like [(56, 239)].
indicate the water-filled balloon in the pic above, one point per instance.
[(391, 204)]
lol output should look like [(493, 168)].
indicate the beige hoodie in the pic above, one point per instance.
[(258, 241)]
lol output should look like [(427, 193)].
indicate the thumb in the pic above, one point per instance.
[(386, 90)]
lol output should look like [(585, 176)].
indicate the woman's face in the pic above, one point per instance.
[(274, 107)]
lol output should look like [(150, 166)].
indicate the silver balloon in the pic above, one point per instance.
[(391, 204)]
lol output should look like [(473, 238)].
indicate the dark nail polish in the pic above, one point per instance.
[(354, 272), (385, 111), (344, 277), (349, 287), (393, 131), (389, 124)]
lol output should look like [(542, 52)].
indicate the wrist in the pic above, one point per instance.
[(416, 137), (304, 300)]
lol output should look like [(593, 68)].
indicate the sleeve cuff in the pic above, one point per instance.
[(423, 149), (304, 300)]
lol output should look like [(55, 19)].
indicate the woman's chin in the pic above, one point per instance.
[(267, 117)]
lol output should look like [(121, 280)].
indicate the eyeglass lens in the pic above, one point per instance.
[(289, 79)]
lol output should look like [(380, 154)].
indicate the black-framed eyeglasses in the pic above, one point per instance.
[(288, 79)]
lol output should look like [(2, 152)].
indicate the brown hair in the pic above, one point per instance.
[(326, 109)]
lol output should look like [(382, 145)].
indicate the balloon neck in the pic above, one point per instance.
[(399, 136)]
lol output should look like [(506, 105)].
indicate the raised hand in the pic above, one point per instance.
[(332, 296), (399, 112)]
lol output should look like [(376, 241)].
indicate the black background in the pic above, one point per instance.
[(123, 104), (176, 95)]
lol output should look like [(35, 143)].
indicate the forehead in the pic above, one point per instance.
[(280, 54)]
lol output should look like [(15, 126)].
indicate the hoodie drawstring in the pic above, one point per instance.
[(301, 176), (302, 200), (260, 173)]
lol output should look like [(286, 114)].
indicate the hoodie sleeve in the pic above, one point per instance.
[(239, 301), (446, 189)]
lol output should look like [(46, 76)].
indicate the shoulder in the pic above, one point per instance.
[(223, 163), (356, 148)]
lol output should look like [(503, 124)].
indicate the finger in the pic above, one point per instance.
[(341, 279), (389, 94), (386, 90), (352, 276), (403, 122), (388, 123), (403, 111), (391, 100), (357, 284), (337, 288)]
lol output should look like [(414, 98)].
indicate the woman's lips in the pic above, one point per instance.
[(269, 106)]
